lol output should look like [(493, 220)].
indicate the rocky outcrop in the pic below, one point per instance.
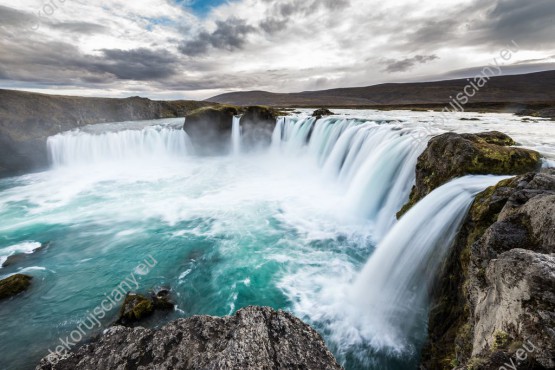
[(494, 304), (254, 338), (210, 128), (27, 119), (14, 285), (454, 155), (319, 113), (137, 307)]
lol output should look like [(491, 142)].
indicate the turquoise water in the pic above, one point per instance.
[(226, 233)]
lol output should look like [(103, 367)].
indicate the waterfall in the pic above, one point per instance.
[(375, 161), (80, 147), (236, 135), (393, 287)]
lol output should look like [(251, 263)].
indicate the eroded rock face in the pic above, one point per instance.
[(14, 285), (210, 128), (454, 155), (496, 292), (258, 124), (254, 338)]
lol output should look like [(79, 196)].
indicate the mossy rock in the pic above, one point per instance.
[(135, 308), (452, 155), (14, 285), (319, 113)]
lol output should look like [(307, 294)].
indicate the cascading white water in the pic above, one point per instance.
[(374, 161), (80, 147), (394, 284), (236, 135), (385, 306)]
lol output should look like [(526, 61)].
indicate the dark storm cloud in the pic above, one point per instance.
[(229, 35), (529, 22), (80, 27), (488, 23), (63, 63), (406, 64), (137, 64)]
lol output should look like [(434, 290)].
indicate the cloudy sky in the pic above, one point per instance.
[(199, 48)]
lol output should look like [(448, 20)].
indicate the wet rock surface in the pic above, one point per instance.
[(210, 128), (254, 338), (495, 299), (14, 285)]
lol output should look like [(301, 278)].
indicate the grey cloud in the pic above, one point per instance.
[(137, 64), (406, 64), (13, 17), (62, 63), (435, 32), (80, 27), (530, 23), (487, 23), (273, 25), (229, 35)]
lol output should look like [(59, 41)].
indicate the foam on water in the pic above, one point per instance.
[(26, 247)]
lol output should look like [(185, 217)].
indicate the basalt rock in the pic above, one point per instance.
[(210, 128), (319, 113), (14, 285), (494, 304), (454, 155), (162, 299), (254, 338)]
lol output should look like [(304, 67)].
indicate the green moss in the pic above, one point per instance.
[(501, 340), (13, 285), (476, 363), (231, 109), (450, 156), (135, 307)]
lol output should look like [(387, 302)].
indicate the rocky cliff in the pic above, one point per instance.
[(27, 119), (494, 303), (254, 338), (495, 300)]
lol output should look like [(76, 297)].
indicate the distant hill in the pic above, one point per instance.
[(519, 89)]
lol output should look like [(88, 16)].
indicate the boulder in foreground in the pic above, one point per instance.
[(254, 338)]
